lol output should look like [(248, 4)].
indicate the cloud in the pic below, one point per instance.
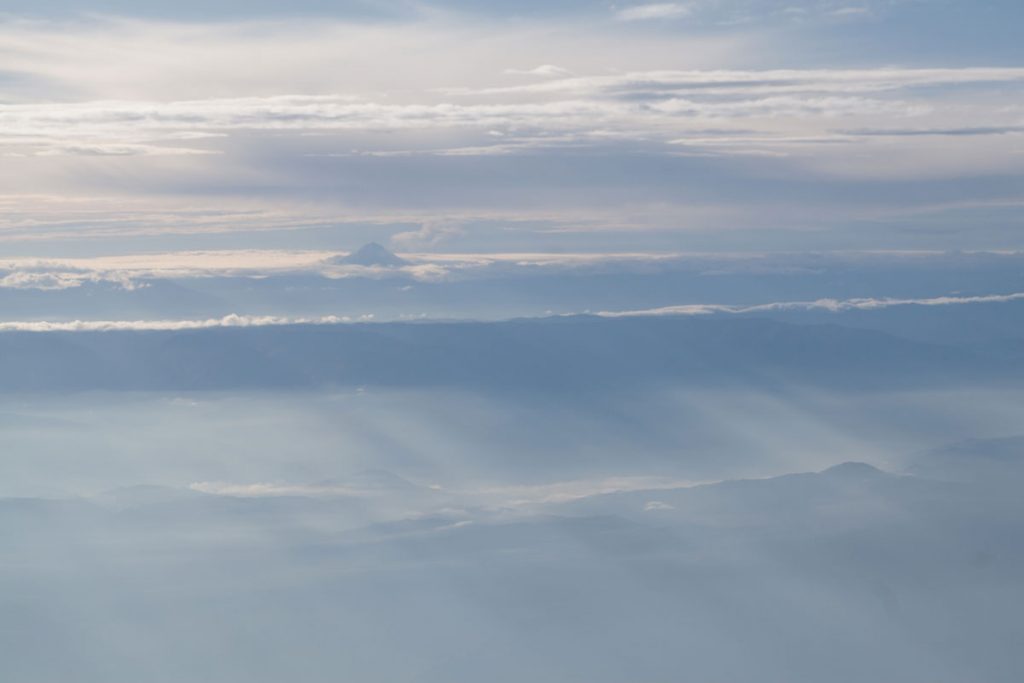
[(138, 270), (232, 320), (270, 490), (446, 102), (660, 10), (833, 305), (966, 131), (314, 155), (650, 105), (42, 281), (428, 236), (55, 278), (494, 497), (544, 71), (130, 271), (851, 11)]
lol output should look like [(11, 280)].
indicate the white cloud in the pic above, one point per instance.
[(131, 59), (136, 270), (270, 490), (429, 235), (116, 107), (43, 281), (659, 10), (493, 497), (554, 112), (48, 278), (851, 11), (834, 305), (740, 81), (232, 320), (129, 271), (544, 70)]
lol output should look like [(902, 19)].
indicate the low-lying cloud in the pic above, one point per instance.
[(235, 320), (831, 305), (232, 320)]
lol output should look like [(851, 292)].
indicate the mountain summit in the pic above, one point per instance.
[(372, 254)]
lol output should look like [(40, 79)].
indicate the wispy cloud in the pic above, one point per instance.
[(136, 270), (544, 70), (429, 235), (273, 490), (113, 108), (49, 279), (833, 305), (851, 11), (492, 497), (674, 103), (232, 320), (657, 10)]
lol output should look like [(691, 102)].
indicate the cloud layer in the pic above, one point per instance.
[(164, 325), (830, 305), (748, 110), (236, 320), (454, 119)]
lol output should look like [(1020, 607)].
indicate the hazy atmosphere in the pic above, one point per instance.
[(565, 341)]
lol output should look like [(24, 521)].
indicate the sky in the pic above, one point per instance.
[(711, 125)]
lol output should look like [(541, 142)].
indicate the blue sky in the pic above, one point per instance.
[(493, 127)]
